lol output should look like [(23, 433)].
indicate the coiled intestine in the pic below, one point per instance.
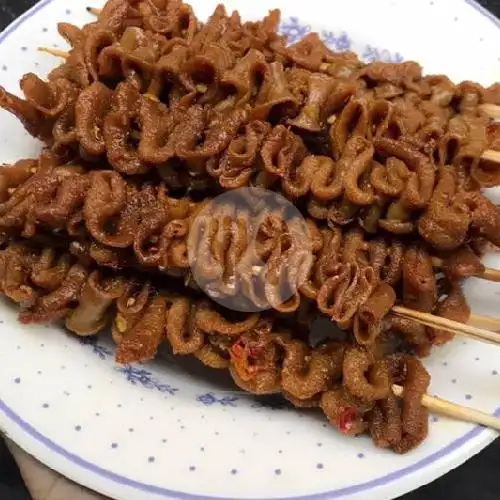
[(262, 359), (350, 276), (137, 131), (378, 181), (132, 75)]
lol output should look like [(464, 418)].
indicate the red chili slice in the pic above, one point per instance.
[(346, 418)]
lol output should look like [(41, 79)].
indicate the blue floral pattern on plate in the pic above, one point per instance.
[(139, 376), (210, 399), (294, 30), (371, 54), (100, 350), (135, 375), (339, 42)]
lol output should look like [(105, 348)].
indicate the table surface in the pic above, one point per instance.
[(479, 478)]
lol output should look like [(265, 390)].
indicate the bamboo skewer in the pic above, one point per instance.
[(54, 52), (491, 155), (487, 322), (447, 324), (489, 273), (464, 413), (451, 329), (492, 110), (94, 11), (443, 407)]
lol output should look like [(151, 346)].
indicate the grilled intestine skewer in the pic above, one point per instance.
[(260, 358), (51, 285), (68, 187), (343, 93), (491, 110), (156, 230), (308, 54)]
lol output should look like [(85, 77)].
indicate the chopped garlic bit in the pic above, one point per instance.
[(121, 323)]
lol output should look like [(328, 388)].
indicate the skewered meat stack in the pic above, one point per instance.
[(120, 225), (262, 357), (154, 114)]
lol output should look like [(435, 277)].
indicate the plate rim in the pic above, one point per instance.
[(82, 471)]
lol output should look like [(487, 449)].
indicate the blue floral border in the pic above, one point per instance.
[(294, 30), (138, 375)]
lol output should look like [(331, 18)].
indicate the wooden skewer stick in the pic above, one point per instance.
[(447, 324), (491, 155), (464, 413), (489, 273), (485, 322), (441, 406), (475, 320), (94, 11), (492, 110), (54, 52), (452, 329)]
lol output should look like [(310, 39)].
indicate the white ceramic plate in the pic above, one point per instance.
[(161, 431)]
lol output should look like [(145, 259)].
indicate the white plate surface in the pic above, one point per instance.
[(163, 431)]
